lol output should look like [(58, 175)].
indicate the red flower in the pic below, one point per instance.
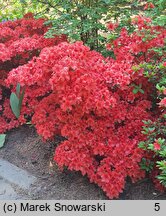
[(164, 91), (156, 145), (163, 102), (112, 26), (146, 6), (164, 64), (149, 5)]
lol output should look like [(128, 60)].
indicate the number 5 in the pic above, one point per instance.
[(157, 207)]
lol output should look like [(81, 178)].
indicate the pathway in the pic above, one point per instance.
[(13, 181)]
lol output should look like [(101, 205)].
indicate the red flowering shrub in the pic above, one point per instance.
[(20, 41), (145, 48), (96, 103)]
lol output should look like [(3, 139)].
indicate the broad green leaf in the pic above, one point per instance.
[(2, 140), (21, 99), (14, 103), (18, 90)]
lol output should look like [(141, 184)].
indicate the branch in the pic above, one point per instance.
[(50, 5)]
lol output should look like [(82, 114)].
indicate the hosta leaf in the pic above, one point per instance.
[(14, 103), (21, 99), (18, 90), (2, 140)]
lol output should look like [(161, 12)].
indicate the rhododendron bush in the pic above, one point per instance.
[(97, 104), (20, 41), (90, 103)]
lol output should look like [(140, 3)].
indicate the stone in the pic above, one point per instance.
[(7, 192), (15, 175)]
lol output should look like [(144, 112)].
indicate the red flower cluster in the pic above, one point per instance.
[(90, 103), (163, 102), (149, 5), (20, 41), (89, 100), (112, 26), (157, 146)]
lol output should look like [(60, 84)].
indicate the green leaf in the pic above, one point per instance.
[(144, 39), (14, 103), (151, 128), (161, 141), (144, 132), (147, 122), (135, 91), (18, 90), (107, 1), (21, 99), (151, 146), (146, 165), (142, 145), (158, 87), (141, 90), (2, 140), (29, 123)]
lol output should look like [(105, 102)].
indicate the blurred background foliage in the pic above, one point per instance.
[(84, 19), (15, 9)]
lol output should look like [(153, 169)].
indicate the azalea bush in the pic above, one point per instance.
[(155, 131), (97, 104), (87, 102), (151, 49), (20, 41), (102, 106)]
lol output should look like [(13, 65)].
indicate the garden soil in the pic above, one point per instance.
[(25, 149)]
